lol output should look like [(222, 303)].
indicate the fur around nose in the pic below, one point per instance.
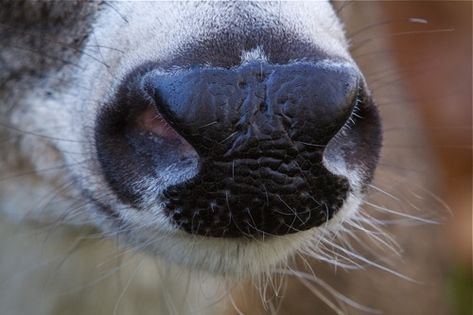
[(259, 102)]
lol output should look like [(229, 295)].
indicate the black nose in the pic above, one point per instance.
[(260, 131), (228, 111)]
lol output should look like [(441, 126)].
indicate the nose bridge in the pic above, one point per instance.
[(222, 110)]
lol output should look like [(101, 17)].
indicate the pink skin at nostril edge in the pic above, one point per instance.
[(152, 121)]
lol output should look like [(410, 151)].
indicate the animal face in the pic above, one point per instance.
[(219, 136)]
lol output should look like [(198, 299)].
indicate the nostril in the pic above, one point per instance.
[(318, 100), (151, 120), (135, 143)]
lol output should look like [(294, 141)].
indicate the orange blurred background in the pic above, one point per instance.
[(440, 84), (436, 67)]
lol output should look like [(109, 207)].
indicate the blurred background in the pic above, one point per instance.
[(441, 87), (436, 68)]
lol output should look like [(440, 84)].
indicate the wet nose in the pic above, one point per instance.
[(260, 131), (255, 103)]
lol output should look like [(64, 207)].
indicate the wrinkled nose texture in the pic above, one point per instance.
[(260, 131), (211, 105)]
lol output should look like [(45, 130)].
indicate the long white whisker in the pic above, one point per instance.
[(369, 262), (332, 291), (405, 215), (127, 285)]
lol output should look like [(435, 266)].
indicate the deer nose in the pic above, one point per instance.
[(260, 131), (253, 103)]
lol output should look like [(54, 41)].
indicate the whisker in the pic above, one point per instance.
[(333, 292), (372, 263), (405, 215), (127, 285)]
